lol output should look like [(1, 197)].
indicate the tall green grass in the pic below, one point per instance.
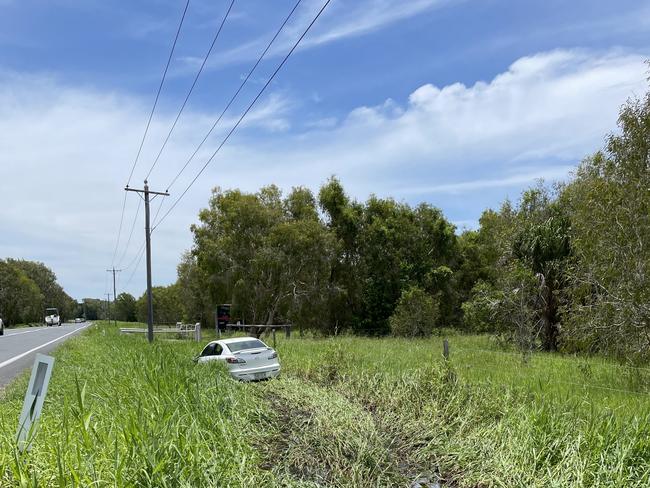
[(120, 412), (347, 412), (487, 417)]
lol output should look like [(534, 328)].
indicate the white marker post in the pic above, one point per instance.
[(34, 398)]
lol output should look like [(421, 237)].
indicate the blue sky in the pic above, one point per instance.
[(459, 103)]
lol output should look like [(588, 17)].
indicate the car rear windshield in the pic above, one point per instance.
[(240, 346)]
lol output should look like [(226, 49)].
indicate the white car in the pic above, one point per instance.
[(52, 317), (246, 358)]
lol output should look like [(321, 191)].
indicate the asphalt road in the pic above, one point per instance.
[(19, 346)]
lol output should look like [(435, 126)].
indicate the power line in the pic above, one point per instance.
[(146, 130), (293, 48), (142, 244), (140, 252), (196, 78), (105, 284), (158, 211), (114, 271), (119, 232), (139, 256), (126, 248), (162, 81), (236, 94), (135, 257)]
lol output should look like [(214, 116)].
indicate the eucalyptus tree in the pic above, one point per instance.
[(610, 205), (268, 256)]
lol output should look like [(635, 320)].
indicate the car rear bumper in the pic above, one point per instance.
[(254, 374)]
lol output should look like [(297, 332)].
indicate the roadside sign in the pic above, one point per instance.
[(34, 398), (222, 316)]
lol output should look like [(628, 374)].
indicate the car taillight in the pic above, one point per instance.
[(273, 355), (235, 360)]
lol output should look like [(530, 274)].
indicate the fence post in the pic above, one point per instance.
[(197, 332), (273, 338), (287, 331), (445, 349)]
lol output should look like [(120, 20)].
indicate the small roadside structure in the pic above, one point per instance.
[(222, 316)]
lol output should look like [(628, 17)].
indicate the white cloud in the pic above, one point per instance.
[(67, 151), (344, 19), (324, 123), (553, 173), (66, 155), (341, 19)]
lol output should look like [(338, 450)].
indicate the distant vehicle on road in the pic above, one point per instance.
[(77, 320), (246, 358), (52, 317)]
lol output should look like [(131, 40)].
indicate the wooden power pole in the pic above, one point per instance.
[(113, 270), (147, 230), (108, 307)]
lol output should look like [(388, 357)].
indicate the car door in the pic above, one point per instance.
[(211, 352)]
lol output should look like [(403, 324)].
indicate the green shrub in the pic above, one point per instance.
[(416, 314), (480, 311)]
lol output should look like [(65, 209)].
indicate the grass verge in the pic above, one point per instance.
[(504, 422), (347, 412), (122, 413)]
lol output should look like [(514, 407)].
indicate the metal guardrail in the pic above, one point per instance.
[(180, 329)]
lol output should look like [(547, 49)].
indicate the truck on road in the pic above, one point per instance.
[(52, 317)]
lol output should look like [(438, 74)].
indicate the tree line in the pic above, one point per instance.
[(564, 267), (27, 288)]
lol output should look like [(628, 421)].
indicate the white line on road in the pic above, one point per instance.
[(35, 329), (22, 355), (25, 332)]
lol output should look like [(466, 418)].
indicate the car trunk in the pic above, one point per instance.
[(255, 358)]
